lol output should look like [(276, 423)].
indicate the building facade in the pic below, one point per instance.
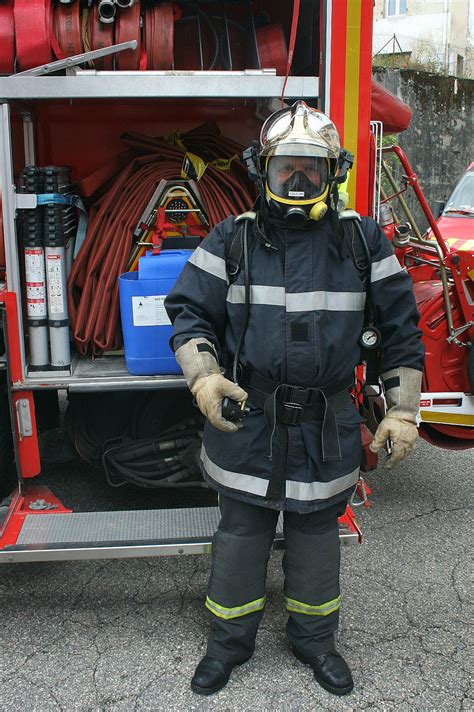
[(435, 35)]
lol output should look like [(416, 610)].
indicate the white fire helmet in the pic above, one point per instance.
[(299, 152)]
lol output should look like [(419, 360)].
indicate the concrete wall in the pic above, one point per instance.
[(439, 141)]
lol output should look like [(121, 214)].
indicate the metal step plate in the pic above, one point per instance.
[(123, 534)]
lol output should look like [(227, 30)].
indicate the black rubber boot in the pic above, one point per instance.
[(331, 671), (212, 675)]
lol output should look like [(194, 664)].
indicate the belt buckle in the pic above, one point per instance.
[(293, 411)]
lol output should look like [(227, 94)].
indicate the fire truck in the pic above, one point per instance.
[(121, 129)]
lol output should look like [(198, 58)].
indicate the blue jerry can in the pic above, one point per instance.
[(145, 324)]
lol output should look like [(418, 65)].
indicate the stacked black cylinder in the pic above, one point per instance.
[(60, 224), (31, 232), (48, 236)]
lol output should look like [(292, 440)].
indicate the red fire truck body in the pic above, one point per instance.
[(78, 120)]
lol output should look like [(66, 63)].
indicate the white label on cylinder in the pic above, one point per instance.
[(149, 311), (55, 284), (35, 286)]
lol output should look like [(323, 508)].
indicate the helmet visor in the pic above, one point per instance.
[(297, 178)]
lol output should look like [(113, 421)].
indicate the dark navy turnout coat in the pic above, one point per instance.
[(306, 316)]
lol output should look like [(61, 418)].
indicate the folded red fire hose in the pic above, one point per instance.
[(33, 32), (92, 286), (7, 37)]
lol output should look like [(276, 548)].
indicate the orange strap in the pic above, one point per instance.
[(291, 50)]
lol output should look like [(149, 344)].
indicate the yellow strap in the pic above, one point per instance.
[(322, 610), (224, 164), (193, 167), (228, 613), (174, 139)]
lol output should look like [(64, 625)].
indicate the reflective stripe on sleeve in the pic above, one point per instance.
[(302, 491), (323, 610), (209, 263), (385, 268), (236, 611)]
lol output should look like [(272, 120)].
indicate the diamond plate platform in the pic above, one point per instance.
[(110, 535)]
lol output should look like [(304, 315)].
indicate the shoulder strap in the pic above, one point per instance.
[(356, 249), (233, 246)]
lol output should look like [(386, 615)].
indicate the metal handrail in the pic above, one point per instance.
[(421, 244)]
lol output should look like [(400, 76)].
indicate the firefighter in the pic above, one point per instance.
[(275, 298)]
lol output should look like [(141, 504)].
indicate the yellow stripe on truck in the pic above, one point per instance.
[(467, 246), (429, 416), (351, 102)]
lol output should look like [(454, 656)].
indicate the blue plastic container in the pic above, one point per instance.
[(145, 324)]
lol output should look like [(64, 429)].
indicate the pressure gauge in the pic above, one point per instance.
[(370, 338)]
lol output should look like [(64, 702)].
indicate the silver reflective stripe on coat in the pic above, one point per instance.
[(327, 301), (302, 491), (298, 301), (259, 294), (209, 263), (307, 491), (385, 268)]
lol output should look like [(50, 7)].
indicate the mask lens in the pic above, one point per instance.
[(297, 177)]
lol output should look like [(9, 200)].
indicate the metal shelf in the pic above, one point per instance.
[(250, 83), (102, 374)]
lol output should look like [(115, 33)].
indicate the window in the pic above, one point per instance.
[(396, 7)]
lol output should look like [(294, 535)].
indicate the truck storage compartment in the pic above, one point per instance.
[(180, 106)]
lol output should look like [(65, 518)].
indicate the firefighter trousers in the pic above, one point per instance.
[(236, 592)]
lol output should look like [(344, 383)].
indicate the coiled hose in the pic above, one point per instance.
[(93, 298), (168, 460)]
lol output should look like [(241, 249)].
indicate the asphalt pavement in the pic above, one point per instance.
[(127, 634)]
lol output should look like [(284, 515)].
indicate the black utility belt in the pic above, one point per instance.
[(282, 405), (293, 404)]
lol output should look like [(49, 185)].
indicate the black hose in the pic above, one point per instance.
[(164, 461), (213, 32)]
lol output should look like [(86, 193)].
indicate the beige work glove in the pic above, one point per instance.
[(198, 361), (399, 424)]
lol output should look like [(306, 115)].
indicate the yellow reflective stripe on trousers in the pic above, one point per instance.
[(323, 610), (228, 613)]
